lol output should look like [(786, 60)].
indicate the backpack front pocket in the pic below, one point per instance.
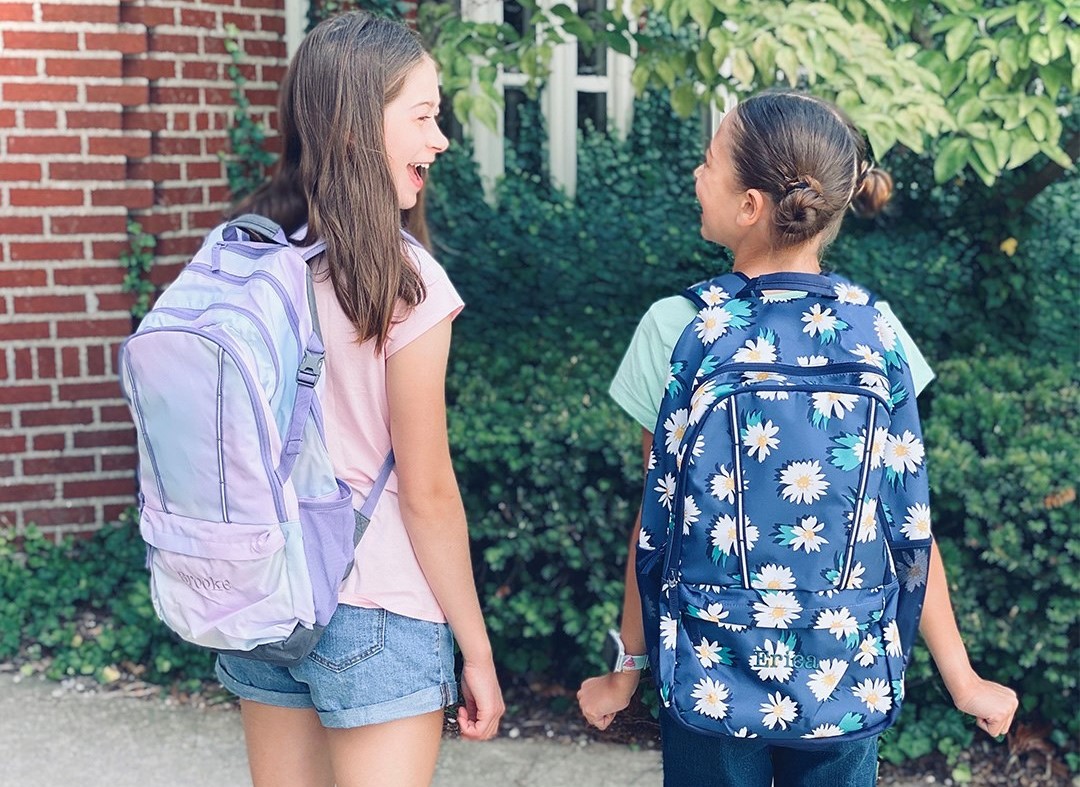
[(227, 586), (786, 665)]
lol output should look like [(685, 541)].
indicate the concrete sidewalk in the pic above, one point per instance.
[(56, 737)]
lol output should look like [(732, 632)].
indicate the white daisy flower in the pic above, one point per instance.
[(778, 710), (917, 524), (773, 661), (652, 461), (757, 350), (812, 360), (877, 448), (806, 535), (710, 696), (903, 454), (714, 613), (761, 439), (722, 485), (869, 650), (834, 405), (701, 400), (724, 535), (691, 512), (824, 680), (867, 530), (643, 541), (913, 570), (824, 731), (838, 622), (669, 630), (885, 333), (749, 378), (714, 296), (666, 487), (893, 646), (849, 293), (818, 320), (855, 579), (875, 694), (773, 396), (743, 732), (803, 482), (868, 354), (712, 324), (780, 296), (708, 653), (776, 610), (699, 447), (675, 429), (774, 577)]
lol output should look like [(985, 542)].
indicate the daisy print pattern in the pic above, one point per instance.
[(831, 404), (912, 570), (875, 694), (714, 296), (701, 401), (666, 487), (712, 323), (759, 350), (760, 438), (812, 360), (774, 660), (893, 647), (776, 610), (710, 696), (822, 323), (804, 534), (802, 482), (669, 631), (824, 680), (869, 355), (691, 512), (917, 523), (903, 455), (773, 577), (838, 622), (709, 654), (724, 537), (869, 651), (825, 731), (675, 429), (722, 484), (849, 293), (778, 710)]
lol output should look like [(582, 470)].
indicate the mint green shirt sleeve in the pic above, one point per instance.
[(921, 373)]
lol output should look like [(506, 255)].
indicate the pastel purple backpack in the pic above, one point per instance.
[(249, 532)]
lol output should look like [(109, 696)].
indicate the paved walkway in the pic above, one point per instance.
[(56, 737)]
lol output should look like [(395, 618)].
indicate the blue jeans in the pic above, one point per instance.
[(692, 760)]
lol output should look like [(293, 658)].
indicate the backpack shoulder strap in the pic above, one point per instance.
[(732, 284)]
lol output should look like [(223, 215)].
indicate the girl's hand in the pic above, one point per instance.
[(992, 705), (481, 701), (602, 697)]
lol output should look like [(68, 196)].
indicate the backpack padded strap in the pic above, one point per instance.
[(259, 226), (731, 283), (377, 488)]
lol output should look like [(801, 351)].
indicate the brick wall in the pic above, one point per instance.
[(110, 110)]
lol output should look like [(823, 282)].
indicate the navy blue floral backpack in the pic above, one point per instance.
[(785, 531)]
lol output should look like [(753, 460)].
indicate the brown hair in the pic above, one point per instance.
[(334, 173), (811, 161)]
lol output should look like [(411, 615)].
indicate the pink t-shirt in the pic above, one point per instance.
[(357, 416)]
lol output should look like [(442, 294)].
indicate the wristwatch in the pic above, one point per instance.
[(615, 654)]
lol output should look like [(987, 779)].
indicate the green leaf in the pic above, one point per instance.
[(1057, 155), (701, 11), (684, 99), (959, 39), (1026, 14), (978, 67), (1039, 50), (951, 159), (1001, 140), (1023, 149), (969, 111), (984, 150), (1037, 123), (741, 67), (619, 42)]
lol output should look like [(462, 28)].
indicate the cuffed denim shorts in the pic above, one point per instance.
[(370, 666)]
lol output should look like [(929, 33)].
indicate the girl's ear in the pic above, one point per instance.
[(752, 208)]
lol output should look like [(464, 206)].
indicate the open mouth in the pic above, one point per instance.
[(418, 173)]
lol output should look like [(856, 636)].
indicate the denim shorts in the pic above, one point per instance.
[(370, 666)]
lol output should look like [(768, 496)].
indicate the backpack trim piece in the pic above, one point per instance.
[(249, 532), (784, 540)]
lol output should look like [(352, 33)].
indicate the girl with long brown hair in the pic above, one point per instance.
[(358, 122)]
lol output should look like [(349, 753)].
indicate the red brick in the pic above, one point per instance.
[(127, 95), (24, 364), (156, 171), (40, 91), (174, 44), (126, 43), (215, 145), (81, 13), (16, 12), (84, 67), (20, 394), (272, 74), (218, 96), (17, 493), (7, 118), (74, 329), (118, 463), (205, 219), (26, 330), (30, 39), (262, 98), (48, 442), (41, 144), (93, 225), (162, 222), (190, 17), (115, 302), (95, 360), (145, 15), (59, 465), (114, 413), (12, 444), (181, 121), (77, 170), (105, 437), (150, 69), (174, 95), (272, 24), (45, 198), (128, 145), (108, 249), (61, 515), (176, 146), (205, 170), (100, 487), (23, 225), (38, 118), (145, 121), (18, 66), (19, 171), (244, 22), (44, 251), (195, 69), (46, 362), (79, 392), (22, 277), (6, 420), (106, 120), (134, 198), (112, 512), (69, 361)]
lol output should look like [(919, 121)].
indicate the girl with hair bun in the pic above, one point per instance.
[(358, 124), (792, 525)]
